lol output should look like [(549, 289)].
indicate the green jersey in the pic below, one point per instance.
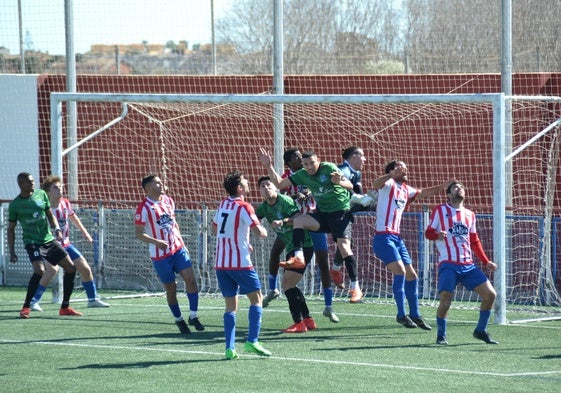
[(329, 197), (31, 214), (284, 207)]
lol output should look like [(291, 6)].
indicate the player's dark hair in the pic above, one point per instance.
[(449, 188), (349, 151), (287, 156), (147, 179), (23, 176), (232, 181), (390, 166), (49, 181), (308, 154), (262, 179)]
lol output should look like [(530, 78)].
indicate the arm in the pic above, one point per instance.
[(267, 161), (142, 236), (430, 191), (477, 249), (259, 230), (76, 221), (433, 234), (339, 179), (54, 224), (379, 182), (12, 241)]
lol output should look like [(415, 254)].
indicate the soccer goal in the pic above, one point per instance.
[(505, 150)]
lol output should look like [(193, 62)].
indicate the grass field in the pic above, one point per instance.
[(134, 346)]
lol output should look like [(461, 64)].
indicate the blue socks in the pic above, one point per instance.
[(411, 293), (483, 320), (254, 317), (398, 294), (230, 329)]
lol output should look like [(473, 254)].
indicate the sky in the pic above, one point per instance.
[(107, 22)]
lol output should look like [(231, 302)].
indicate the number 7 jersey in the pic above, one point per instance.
[(233, 221)]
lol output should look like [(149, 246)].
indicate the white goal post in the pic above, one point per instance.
[(499, 104)]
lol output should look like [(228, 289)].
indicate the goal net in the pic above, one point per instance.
[(193, 141)]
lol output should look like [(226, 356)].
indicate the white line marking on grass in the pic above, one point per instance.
[(290, 359)]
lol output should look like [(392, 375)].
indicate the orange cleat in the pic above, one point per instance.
[(337, 278), (299, 327), (293, 263), (310, 323), (69, 311), (356, 295), (24, 313)]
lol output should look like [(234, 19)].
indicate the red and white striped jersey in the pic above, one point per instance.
[(61, 213), (309, 204), (393, 198), (158, 218), (233, 221), (458, 224)]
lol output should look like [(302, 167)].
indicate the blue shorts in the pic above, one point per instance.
[(390, 248), (449, 275), (73, 252), (167, 268), (320, 240), (232, 282)]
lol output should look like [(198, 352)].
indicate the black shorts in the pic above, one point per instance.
[(339, 223), (51, 252)]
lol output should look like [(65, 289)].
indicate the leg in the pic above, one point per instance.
[(88, 282), (441, 316), (50, 272), (230, 325), (274, 260), (254, 316), (488, 295)]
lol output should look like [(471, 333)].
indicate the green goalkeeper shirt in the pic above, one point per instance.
[(329, 197), (31, 214), (284, 207)]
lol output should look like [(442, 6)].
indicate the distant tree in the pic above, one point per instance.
[(320, 36), (466, 36)]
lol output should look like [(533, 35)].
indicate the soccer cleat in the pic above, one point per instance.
[(406, 321), (310, 323), (197, 324), (420, 323), (272, 295), (35, 306), (231, 354), (97, 303), (331, 315), (299, 327), (24, 313), (293, 263), (256, 348), (337, 278), (441, 340), (355, 295), (484, 336), (183, 328), (69, 311)]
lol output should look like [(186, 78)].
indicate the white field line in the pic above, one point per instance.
[(292, 360)]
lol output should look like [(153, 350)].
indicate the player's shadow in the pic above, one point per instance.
[(118, 366)]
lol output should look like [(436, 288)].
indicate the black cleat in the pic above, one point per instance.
[(420, 323), (441, 340), (484, 336), (183, 328), (197, 324), (406, 321)]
